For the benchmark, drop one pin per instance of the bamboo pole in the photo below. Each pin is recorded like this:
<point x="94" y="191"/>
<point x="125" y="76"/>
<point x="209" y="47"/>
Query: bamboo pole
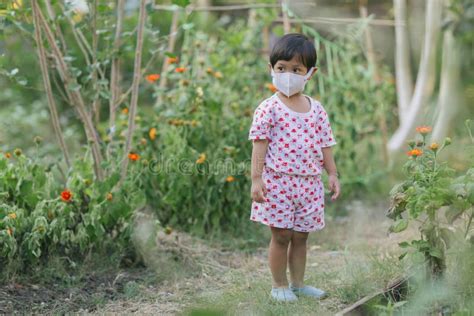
<point x="135" y="85"/>
<point x="47" y="86"/>
<point x="171" y="45"/>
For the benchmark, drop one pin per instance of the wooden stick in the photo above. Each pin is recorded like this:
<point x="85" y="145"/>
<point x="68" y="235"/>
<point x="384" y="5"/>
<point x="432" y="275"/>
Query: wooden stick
<point x="368" y="42"/>
<point x="286" y="20"/>
<point x="171" y="44"/>
<point x="341" y="21"/>
<point x="115" y="88"/>
<point x="136" y="81"/>
<point x="227" y="7"/>
<point x="47" y="86"/>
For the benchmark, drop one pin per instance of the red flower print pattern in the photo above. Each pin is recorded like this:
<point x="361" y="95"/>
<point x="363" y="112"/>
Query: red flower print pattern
<point x="295" y="139"/>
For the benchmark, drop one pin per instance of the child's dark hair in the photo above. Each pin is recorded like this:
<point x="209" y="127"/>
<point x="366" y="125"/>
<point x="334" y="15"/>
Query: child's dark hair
<point x="291" y="45"/>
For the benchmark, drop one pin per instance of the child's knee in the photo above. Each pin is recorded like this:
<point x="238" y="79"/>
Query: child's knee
<point x="282" y="236"/>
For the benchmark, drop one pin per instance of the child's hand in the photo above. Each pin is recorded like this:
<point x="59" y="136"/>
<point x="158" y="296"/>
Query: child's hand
<point x="258" y="191"/>
<point x="334" y="186"/>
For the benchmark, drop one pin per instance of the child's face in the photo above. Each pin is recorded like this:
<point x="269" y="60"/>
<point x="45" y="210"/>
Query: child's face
<point x="294" y="65"/>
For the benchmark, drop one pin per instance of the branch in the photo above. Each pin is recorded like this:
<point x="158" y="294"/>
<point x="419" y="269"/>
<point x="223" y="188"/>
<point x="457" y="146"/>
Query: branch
<point x="73" y="94"/>
<point x="135" y="85"/>
<point x="47" y="85"/>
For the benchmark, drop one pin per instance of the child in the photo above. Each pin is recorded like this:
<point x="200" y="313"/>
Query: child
<point x="292" y="141"/>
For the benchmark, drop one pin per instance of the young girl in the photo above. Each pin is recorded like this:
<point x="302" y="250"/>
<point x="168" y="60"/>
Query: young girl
<point x="292" y="141"/>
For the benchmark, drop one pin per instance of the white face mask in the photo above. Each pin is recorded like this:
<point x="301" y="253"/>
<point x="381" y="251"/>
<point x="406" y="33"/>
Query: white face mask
<point x="290" y="83"/>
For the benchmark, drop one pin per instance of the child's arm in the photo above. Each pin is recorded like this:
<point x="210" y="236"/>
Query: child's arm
<point x="259" y="151"/>
<point x="330" y="166"/>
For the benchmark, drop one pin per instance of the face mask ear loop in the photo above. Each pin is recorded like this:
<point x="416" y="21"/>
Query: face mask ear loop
<point x="306" y="78"/>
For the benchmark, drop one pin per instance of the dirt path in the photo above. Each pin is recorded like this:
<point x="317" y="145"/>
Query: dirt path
<point x="350" y="258"/>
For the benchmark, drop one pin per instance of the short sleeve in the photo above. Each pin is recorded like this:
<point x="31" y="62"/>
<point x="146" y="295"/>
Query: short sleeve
<point x="324" y="130"/>
<point x="261" y="123"/>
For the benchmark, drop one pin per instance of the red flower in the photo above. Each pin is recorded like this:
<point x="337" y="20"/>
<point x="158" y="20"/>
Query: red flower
<point x="66" y="195"/>
<point x="133" y="156"/>
<point x="152" y="78"/>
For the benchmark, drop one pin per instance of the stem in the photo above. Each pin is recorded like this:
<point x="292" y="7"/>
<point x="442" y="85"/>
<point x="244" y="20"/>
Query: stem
<point x="468" y="224"/>
<point x="135" y="85"/>
<point x="47" y="86"/>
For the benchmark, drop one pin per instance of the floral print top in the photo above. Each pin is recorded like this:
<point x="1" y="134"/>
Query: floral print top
<point x="295" y="138"/>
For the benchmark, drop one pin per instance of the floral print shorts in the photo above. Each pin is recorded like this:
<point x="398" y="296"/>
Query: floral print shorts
<point x="293" y="201"/>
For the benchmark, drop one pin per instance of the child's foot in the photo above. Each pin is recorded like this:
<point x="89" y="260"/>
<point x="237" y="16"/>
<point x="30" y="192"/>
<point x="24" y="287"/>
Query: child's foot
<point x="308" y="291"/>
<point x="283" y="294"/>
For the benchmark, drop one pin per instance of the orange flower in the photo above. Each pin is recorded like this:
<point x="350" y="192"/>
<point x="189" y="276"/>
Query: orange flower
<point x="172" y="60"/>
<point x="230" y="179"/>
<point x="125" y="111"/>
<point x="8" y="155"/>
<point x="109" y="196"/>
<point x="9" y="231"/>
<point x="133" y="156"/>
<point x="434" y="146"/>
<point x="423" y="130"/>
<point x="415" y="152"/>
<point x="271" y="87"/>
<point x="180" y="69"/>
<point x="201" y="159"/>
<point x="152" y="78"/>
<point x="209" y="70"/>
<point x="152" y="133"/>
<point x="12" y="215"/>
<point x="66" y="195"/>
<point x="218" y="74"/>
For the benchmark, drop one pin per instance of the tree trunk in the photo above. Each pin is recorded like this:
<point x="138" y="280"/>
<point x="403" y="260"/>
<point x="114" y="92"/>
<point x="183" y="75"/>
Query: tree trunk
<point x="402" y="59"/>
<point x="425" y="80"/>
<point x="450" y="96"/>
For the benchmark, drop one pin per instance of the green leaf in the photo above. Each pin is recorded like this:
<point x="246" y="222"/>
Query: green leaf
<point x="404" y="244"/>
<point x="399" y="226"/>
<point x="435" y="252"/>
<point x="171" y="55"/>
<point x="181" y="3"/>
<point x="74" y="87"/>
<point x="402" y="255"/>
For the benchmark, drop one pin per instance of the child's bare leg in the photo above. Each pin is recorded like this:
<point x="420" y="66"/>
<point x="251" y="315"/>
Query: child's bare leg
<point x="297" y="258"/>
<point x="277" y="255"/>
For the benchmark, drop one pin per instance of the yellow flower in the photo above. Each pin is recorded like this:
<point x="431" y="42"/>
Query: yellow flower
<point x="9" y="231"/>
<point x="109" y="196"/>
<point x="152" y="133"/>
<point x="434" y="147"/>
<point x="12" y="215"/>
<point x="201" y="159"/>
<point x="229" y="179"/>
<point x="218" y="74"/>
